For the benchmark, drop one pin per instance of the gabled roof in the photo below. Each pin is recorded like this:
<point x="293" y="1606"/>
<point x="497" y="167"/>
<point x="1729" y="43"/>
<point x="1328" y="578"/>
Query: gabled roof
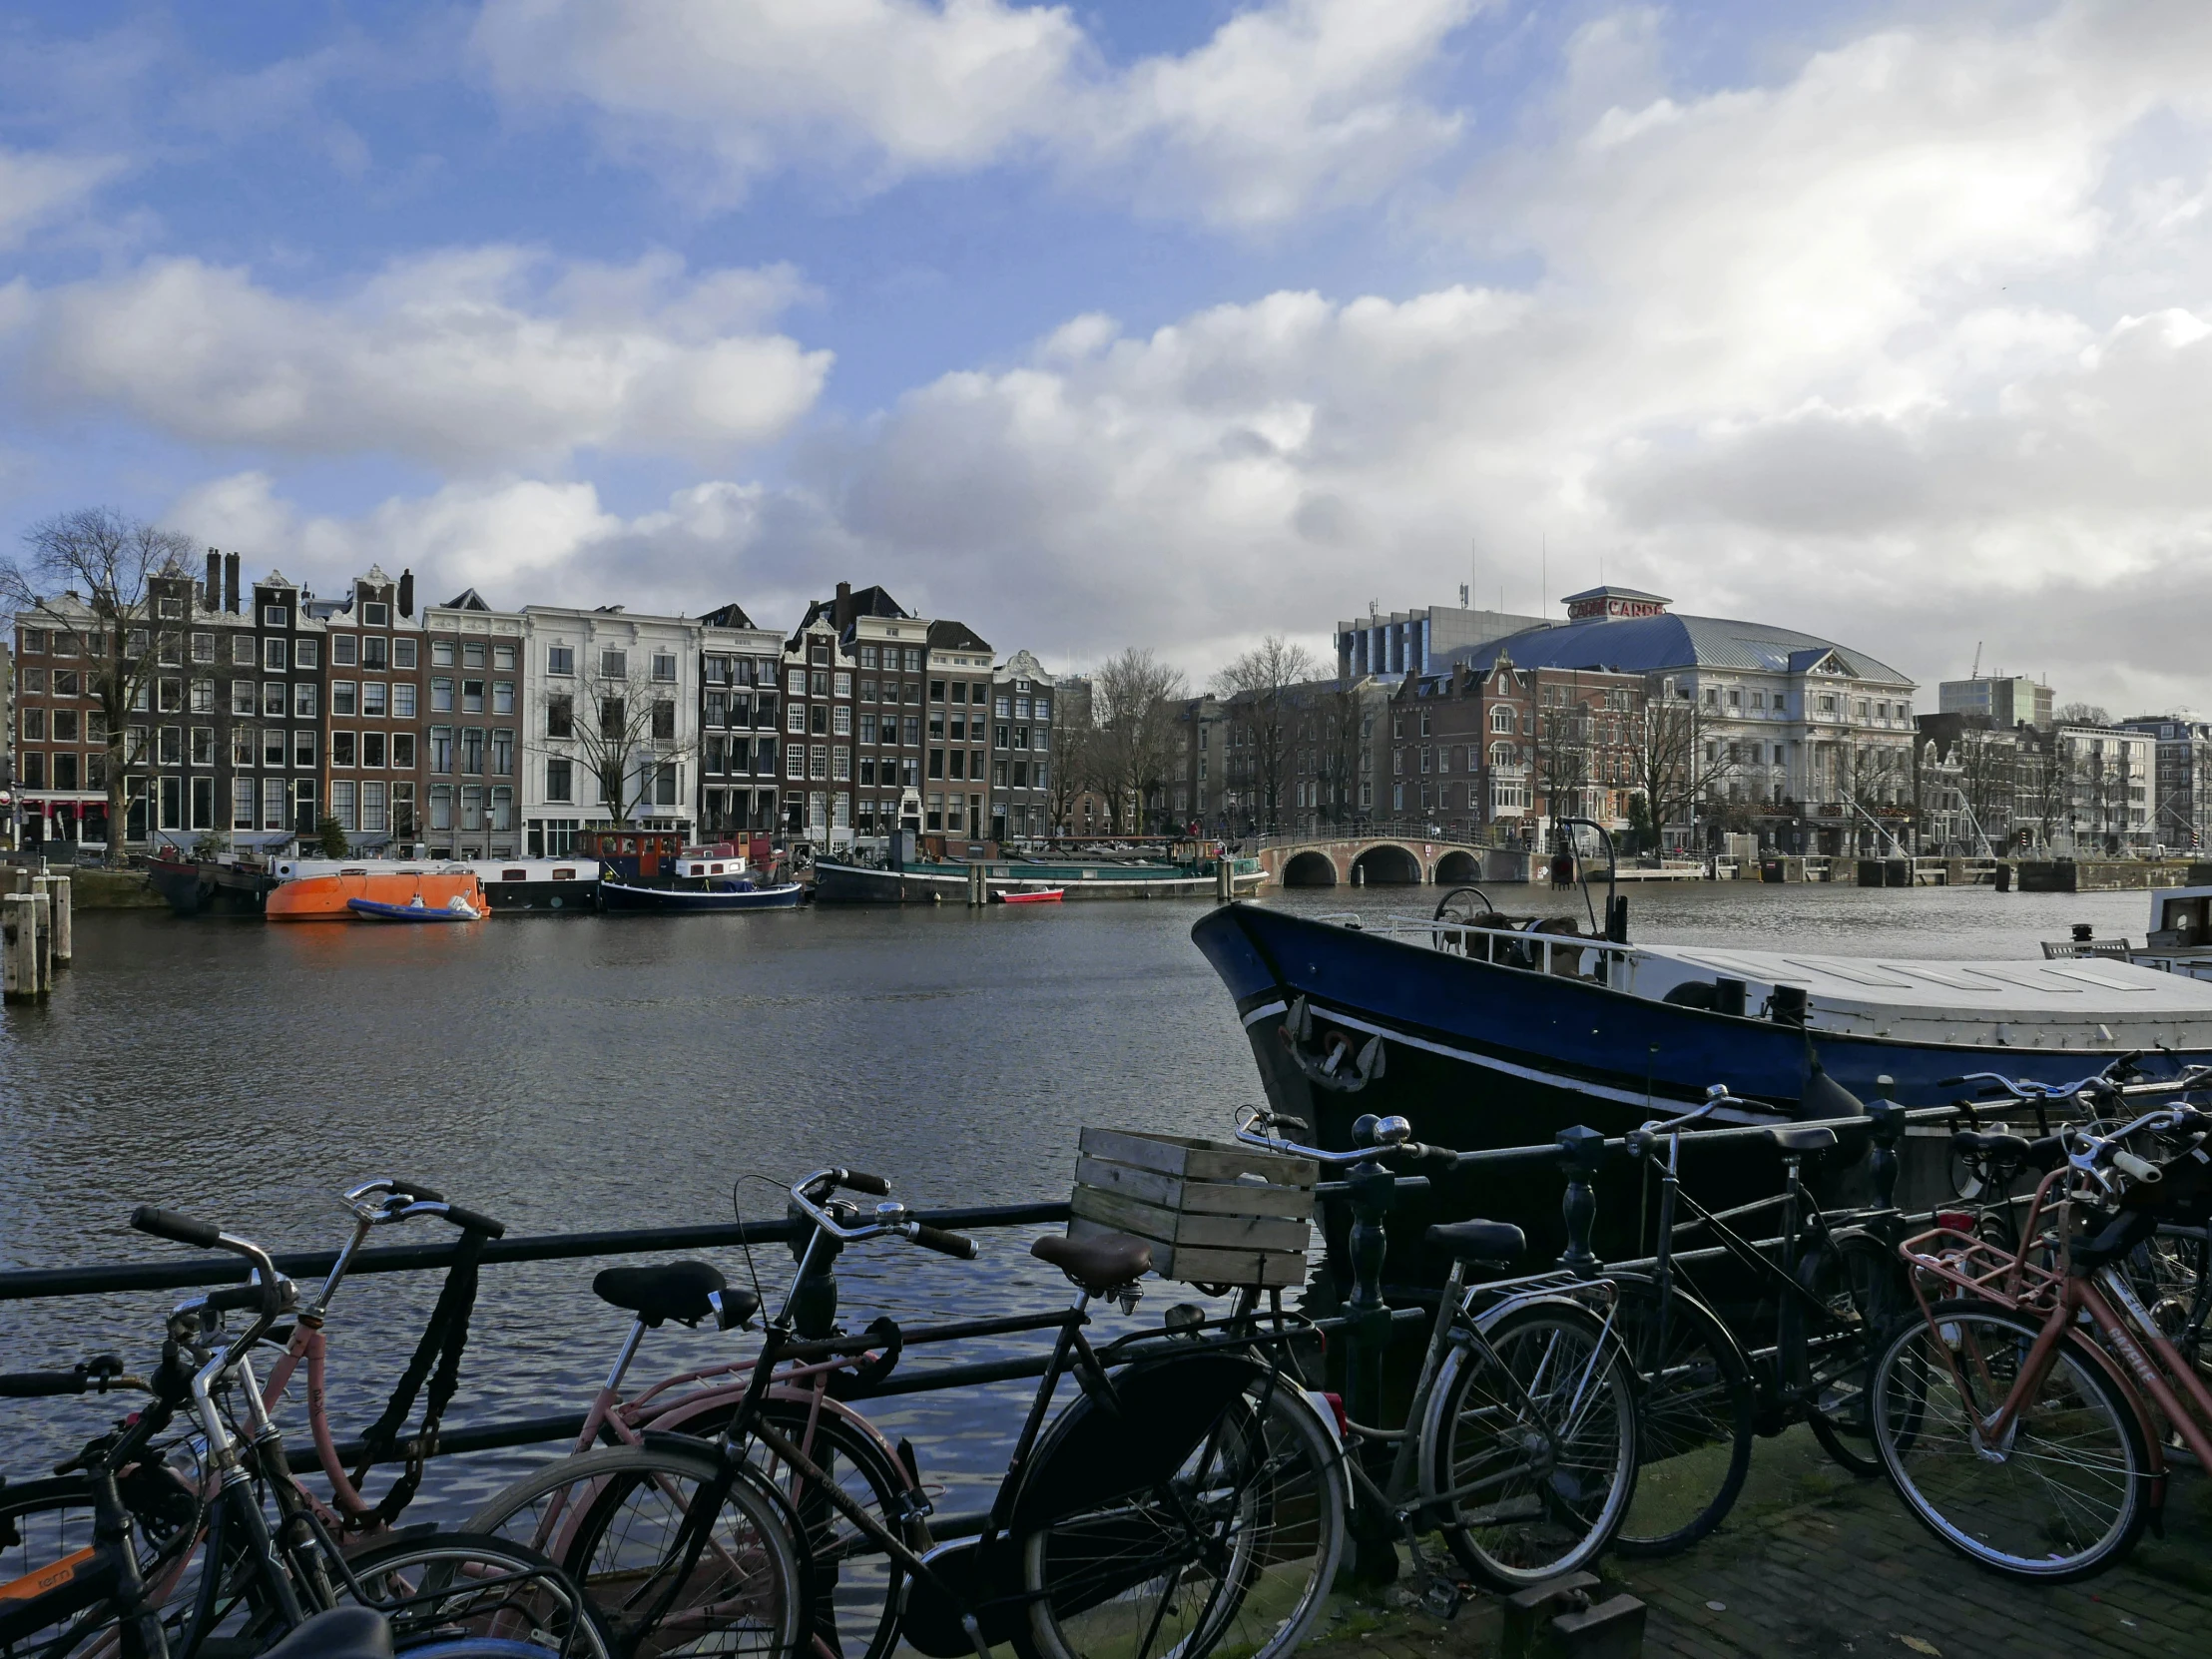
<point x="1650" y="644"/>
<point x="468" y="599"/>
<point x="730" y="615"/>
<point x="954" y="636"/>
<point x="840" y="610"/>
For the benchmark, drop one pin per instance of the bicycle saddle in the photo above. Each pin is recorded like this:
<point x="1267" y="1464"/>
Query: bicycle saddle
<point x="675" y="1290"/>
<point x="1801" y="1138"/>
<point x="1480" y="1241"/>
<point x="340" y="1633"/>
<point x="2010" y="1148"/>
<point x="1098" y="1265"/>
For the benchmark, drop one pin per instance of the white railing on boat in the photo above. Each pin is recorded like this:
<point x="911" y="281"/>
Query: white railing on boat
<point x="1565" y="955"/>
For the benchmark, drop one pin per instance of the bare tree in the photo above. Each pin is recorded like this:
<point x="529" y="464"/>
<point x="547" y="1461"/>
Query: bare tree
<point x="1134" y="698"/>
<point x="2052" y="787"/>
<point x="1340" y="726"/>
<point x="2082" y="713"/>
<point x="1562" y="751"/>
<point x="1074" y="740"/>
<point x="1878" y="775"/>
<point x="1258" y="689"/>
<point x="84" y="578"/>
<point x="1674" y="762"/>
<point x="614" y="731"/>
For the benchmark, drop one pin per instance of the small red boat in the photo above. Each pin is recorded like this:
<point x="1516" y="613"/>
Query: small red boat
<point x="1043" y="895"/>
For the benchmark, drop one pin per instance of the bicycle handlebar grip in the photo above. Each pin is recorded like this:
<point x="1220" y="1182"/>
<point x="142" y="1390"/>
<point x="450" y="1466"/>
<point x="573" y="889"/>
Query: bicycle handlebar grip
<point x="944" y="1243"/>
<point x="2141" y="1169"/>
<point x="463" y="1217"/>
<point x="37" y="1385"/>
<point x="418" y="1192"/>
<point x="167" y="1224"/>
<point x="852" y="1180"/>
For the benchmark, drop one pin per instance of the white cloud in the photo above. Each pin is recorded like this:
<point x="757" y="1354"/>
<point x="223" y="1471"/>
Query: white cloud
<point x="1294" y="103"/>
<point x="1910" y="345"/>
<point x="37" y="188"/>
<point x="467" y="360"/>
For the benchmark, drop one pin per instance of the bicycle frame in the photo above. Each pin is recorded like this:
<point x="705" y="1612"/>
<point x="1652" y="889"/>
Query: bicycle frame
<point x="2147" y="1363"/>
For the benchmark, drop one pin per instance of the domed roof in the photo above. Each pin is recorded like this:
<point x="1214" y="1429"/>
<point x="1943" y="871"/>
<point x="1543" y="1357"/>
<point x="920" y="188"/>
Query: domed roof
<point x="1651" y="644"/>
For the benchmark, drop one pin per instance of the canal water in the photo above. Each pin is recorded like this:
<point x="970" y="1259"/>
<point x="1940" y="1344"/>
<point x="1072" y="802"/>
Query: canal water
<point x="607" y="1072"/>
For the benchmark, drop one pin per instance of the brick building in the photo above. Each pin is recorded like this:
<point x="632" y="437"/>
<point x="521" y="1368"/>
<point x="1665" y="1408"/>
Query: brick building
<point x="375" y="739"/>
<point x="739" y="729"/>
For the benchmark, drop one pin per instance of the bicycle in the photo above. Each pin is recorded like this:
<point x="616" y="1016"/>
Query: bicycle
<point x="1836" y="1292"/>
<point x="100" y="1588"/>
<point x="1520" y="1443"/>
<point x="1185" y="1498"/>
<point x="2021" y="1443"/>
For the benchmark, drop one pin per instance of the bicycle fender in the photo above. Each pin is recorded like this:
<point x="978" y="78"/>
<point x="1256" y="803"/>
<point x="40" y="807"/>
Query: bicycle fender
<point x="1092" y="1455"/>
<point x="1455" y="1358"/>
<point x="987" y="1578"/>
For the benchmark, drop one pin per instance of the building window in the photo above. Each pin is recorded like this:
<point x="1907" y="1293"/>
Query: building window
<point x="341" y="749"/>
<point x="560" y="659"/>
<point x="304" y="700"/>
<point x="403" y="700"/>
<point x="303" y="749"/>
<point x="560" y="716"/>
<point x="614" y="665"/>
<point x="272" y="616"/>
<point x="473" y="750"/>
<point x="403" y="751"/>
<point x="795" y="718"/>
<point x="342" y="698"/>
<point x="441" y="749"/>
<point x="273" y="795"/>
<point x="794" y="760"/>
<point x="441" y="694"/>
<point x="441" y="807"/>
<point x="372" y="699"/>
<point x="663" y="721"/>
<point x="372" y="748"/>
<point x="202" y="752"/>
<point x="272" y="746"/>
<point x="817" y="762"/>
<point x="342" y="804"/>
<point x="343" y="650"/>
<point x="841" y="721"/>
<point x="558" y="780"/>
<point x="663" y="667"/>
<point x="502" y="697"/>
<point x="308" y="654"/>
<point x="472" y="697"/>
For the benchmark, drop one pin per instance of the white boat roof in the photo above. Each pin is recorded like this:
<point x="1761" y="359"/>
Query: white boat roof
<point x="2079" y="988"/>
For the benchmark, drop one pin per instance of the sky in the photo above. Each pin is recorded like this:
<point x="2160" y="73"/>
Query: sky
<point x="1168" y="324"/>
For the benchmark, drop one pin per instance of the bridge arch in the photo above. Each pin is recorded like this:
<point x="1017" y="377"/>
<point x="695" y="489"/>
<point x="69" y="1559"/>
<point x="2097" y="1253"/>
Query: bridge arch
<point x="1386" y="864"/>
<point x="1458" y="867"/>
<point x="1309" y="870"/>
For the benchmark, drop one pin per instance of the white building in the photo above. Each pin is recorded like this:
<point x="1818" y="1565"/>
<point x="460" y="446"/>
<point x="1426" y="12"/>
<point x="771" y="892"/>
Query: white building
<point x="604" y="666"/>
<point x="475" y="729"/>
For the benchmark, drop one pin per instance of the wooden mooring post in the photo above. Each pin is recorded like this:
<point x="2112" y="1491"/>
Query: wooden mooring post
<point x="26" y="972"/>
<point x="59" y="891"/>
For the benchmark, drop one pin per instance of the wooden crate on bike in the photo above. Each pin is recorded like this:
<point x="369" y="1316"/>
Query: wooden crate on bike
<point x="1214" y="1212"/>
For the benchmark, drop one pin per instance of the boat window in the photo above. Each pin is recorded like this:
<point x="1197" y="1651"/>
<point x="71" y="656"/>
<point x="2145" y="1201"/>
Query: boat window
<point x="564" y="875"/>
<point x="514" y="876"/>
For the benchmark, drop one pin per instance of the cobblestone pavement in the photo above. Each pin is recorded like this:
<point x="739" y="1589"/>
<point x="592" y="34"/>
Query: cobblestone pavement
<point x="1817" y="1564"/>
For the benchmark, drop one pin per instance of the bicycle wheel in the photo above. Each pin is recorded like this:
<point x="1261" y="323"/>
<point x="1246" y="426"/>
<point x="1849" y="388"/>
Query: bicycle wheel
<point x="2167" y="1271"/>
<point x="444" y="1588"/>
<point x="1860" y="1286"/>
<point x="1693" y="1414"/>
<point x="2065" y="1496"/>
<point x="1533" y="1445"/>
<point x="856" y="1584"/>
<point x="1231" y="1546"/>
<point x="614" y="1521"/>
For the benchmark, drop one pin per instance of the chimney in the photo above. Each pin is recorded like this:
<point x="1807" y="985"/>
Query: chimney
<point x="407" y="593"/>
<point x="841" y="612"/>
<point x="215" y="581"/>
<point x="231" y="583"/>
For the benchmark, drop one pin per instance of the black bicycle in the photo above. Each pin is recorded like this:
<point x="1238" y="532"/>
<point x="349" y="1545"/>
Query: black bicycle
<point x="1186" y="1500"/>
<point x="1827" y="1292"/>
<point x="154" y="1544"/>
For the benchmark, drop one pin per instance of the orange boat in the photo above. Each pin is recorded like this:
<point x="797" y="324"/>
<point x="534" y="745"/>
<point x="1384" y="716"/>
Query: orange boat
<point x="324" y="897"/>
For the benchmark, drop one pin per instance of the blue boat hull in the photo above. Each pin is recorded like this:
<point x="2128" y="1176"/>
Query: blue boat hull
<point x="1479" y="1055"/>
<point x="622" y="896"/>
<point x="369" y="910"/>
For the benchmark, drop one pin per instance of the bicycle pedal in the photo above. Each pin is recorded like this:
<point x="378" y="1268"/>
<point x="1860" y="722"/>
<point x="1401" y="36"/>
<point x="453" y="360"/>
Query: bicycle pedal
<point x="1442" y="1598"/>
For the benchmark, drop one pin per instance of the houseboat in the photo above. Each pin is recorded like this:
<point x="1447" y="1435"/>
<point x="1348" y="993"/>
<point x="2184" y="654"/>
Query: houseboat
<point x="702" y="880"/>
<point x="225" y="885"/>
<point x="327" y="898"/>
<point x="1184" y="869"/>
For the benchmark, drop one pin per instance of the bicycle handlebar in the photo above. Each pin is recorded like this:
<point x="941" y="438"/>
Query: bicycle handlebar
<point x="2032" y="1092"/>
<point x="100" y="1374"/>
<point x="1256" y="1126"/>
<point x="891" y="1217"/>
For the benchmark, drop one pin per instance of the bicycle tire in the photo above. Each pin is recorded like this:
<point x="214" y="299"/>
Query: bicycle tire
<point x="857" y="1583"/>
<point x="1860" y="1283"/>
<point x="459" y="1594"/>
<point x="1499" y="1422"/>
<point x="1237" y="1546"/>
<point x="611" y="1518"/>
<point x="1695" y="1416"/>
<point x="1935" y="1458"/>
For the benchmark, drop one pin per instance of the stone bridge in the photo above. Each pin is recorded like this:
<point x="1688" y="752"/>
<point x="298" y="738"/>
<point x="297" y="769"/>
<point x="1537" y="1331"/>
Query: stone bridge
<point x="1379" y="858"/>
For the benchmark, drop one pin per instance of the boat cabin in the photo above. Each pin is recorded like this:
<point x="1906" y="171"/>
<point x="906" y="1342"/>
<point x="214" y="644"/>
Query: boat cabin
<point x="633" y="855"/>
<point x="723" y="858"/>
